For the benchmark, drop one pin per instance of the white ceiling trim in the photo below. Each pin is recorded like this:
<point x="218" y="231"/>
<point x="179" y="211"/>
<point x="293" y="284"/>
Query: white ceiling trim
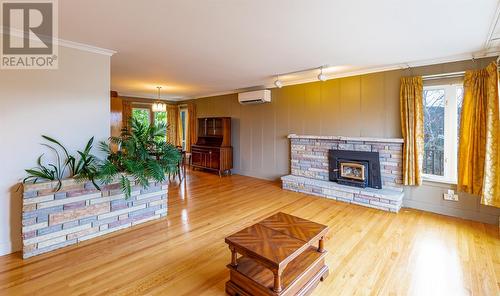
<point x="463" y="57"/>
<point x="65" y="43"/>
<point x="152" y="97"/>
<point x="86" y="47"/>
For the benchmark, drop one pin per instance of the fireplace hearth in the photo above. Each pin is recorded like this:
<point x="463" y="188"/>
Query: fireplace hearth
<point x="355" y="168"/>
<point x="373" y="166"/>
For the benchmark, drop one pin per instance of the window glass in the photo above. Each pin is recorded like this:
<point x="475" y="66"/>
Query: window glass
<point x="183" y="122"/>
<point x="442" y="111"/>
<point x="160" y="117"/>
<point x="142" y="114"/>
<point x="434" y="103"/>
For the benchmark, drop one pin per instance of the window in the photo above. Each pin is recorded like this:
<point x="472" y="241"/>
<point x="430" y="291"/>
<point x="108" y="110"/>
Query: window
<point x="442" y="108"/>
<point x="142" y="114"/>
<point x="160" y="117"/>
<point x="183" y="114"/>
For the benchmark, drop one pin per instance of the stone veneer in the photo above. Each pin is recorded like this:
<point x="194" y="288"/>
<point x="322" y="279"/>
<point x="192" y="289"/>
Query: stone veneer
<point x="309" y="168"/>
<point x="78" y="212"/>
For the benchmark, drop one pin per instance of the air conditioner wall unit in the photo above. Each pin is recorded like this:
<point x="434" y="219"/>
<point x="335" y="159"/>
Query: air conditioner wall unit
<point x="255" y="97"/>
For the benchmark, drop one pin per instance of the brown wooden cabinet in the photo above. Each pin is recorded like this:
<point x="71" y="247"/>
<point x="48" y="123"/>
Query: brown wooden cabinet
<point x="213" y="149"/>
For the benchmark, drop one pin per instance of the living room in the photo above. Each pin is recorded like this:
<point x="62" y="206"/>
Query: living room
<point x="250" y="148"/>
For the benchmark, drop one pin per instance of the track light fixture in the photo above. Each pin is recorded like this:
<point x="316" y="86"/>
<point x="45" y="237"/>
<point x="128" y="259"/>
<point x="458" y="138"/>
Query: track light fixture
<point x="278" y="82"/>
<point x="321" y="76"/>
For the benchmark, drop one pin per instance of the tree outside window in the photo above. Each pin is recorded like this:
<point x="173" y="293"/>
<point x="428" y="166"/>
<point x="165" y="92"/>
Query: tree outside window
<point x="442" y="110"/>
<point x="141" y="114"/>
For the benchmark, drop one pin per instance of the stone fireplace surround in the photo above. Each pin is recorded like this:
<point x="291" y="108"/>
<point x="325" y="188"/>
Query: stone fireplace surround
<point x="309" y="170"/>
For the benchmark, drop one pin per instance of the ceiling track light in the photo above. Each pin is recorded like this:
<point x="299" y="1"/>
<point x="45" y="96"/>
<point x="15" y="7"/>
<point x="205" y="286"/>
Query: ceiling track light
<point x="321" y="76"/>
<point x="278" y="82"/>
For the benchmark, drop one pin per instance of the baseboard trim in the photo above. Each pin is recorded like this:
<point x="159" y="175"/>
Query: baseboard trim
<point x="453" y="212"/>
<point x="6" y="248"/>
<point x="255" y="174"/>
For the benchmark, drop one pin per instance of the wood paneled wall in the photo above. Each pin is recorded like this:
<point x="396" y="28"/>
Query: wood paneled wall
<point x="116" y="117"/>
<point x="355" y="106"/>
<point x="366" y="105"/>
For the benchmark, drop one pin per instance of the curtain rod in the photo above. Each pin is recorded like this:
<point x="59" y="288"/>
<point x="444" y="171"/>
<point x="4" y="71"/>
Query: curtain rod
<point x="444" y="75"/>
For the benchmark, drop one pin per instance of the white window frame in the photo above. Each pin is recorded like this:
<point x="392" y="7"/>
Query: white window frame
<point x="450" y="135"/>
<point x="186" y="128"/>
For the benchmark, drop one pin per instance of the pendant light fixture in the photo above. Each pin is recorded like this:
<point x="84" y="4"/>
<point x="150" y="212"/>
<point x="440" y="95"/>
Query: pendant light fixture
<point x="159" y="106"/>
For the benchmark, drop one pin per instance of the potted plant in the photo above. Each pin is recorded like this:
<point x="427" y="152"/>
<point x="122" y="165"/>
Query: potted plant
<point x="143" y="156"/>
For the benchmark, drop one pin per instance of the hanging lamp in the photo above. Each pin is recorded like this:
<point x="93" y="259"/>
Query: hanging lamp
<point x="159" y="106"/>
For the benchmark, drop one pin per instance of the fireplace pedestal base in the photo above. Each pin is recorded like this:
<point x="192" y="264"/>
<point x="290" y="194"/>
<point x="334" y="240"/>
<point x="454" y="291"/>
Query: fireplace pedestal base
<point x="383" y="199"/>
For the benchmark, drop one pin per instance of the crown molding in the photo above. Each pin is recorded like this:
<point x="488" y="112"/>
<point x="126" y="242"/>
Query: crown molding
<point x="153" y="98"/>
<point x="86" y="47"/>
<point x="65" y="43"/>
<point x="214" y="94"/>
<point x="369" y="70"/>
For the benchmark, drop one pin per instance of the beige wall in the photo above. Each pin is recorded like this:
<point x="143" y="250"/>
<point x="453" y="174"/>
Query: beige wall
<point x="70" y="104"/>
<point x="366" y="105"/>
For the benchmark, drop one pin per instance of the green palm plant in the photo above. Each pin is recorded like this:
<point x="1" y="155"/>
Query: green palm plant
<point x="75" y="167"/>
<point x="85" y="168"/>
<point x="142" y="155"/>
<point x="48" y="172"/>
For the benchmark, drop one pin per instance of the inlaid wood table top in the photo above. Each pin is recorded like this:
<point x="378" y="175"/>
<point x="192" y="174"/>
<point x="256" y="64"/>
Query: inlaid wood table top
<point x="296" y="227"/>
<point x="276" y="240"/>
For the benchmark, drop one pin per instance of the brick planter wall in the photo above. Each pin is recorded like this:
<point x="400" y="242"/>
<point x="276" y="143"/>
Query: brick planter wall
<point x="78" y="212"/>
<point x="309" y="170"/>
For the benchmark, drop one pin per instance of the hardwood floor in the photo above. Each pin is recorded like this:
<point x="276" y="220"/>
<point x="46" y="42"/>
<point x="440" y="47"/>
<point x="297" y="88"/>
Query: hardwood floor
<point x="370" y="252"/>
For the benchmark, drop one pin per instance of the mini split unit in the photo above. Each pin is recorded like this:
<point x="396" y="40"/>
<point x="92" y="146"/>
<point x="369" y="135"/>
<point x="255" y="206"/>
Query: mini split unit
<point x="255" y="97"/>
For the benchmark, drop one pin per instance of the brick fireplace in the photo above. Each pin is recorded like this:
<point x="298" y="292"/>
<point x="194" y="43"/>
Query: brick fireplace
<point x="312" y="169"/>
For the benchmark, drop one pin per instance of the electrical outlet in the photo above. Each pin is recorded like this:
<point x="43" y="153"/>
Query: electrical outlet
<point x="450" y="195"/>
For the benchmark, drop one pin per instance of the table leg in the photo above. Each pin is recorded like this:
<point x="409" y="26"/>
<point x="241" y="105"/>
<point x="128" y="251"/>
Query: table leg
<point x="277" y="281"/>
<point x="321" y="244"/>
<point x="234" y="257"/>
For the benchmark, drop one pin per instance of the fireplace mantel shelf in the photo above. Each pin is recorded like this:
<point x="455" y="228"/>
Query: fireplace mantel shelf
<point x="342" y="138"/>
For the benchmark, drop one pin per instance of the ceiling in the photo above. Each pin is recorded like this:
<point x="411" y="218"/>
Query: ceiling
<point x="197" y="48"/>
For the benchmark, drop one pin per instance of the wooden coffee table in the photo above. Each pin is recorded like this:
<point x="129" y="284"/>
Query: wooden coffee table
<point x="279" y="257"/>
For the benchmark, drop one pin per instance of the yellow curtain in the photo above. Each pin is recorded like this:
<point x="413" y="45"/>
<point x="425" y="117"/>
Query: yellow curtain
<point x="479" y="148"/>
<point x="172" y="113"/>
<point x="192" y="134"/>
<point x="412" y="126"/>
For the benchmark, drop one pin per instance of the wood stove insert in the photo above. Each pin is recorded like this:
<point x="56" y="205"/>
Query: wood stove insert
<point x="355" y="168"/>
